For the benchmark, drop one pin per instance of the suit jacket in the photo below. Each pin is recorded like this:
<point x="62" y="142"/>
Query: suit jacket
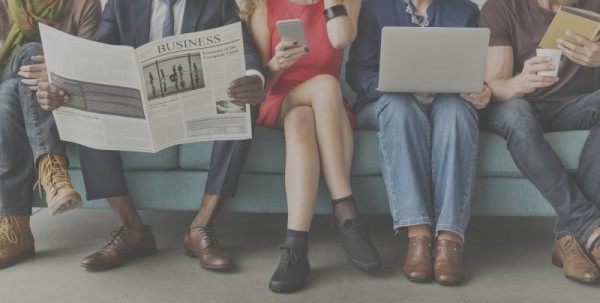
<point x="127" y="22"/>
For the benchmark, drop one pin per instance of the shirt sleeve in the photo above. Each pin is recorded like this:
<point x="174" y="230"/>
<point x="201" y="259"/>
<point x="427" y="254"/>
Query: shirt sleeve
<point x="91" y="15"/>
<point x="362" y="71"/>
<point x="494" y="17"/>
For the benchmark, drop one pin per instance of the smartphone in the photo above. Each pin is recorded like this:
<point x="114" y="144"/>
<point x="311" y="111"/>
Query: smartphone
<point x="292" y="30"/>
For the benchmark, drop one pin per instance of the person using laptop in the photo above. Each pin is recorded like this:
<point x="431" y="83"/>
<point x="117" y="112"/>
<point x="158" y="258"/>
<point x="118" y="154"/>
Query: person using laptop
<point x="305" y="101"/>
<point x="526" y="105"/>
<point x="428" y="142"/>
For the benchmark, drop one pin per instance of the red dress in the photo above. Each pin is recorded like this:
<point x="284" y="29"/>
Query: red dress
<point x="322" y="58"/>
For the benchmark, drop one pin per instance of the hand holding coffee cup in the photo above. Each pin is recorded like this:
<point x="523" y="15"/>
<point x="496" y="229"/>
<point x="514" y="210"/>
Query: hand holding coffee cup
<point x="554" y="55"/>
<point x="532" y="79"/>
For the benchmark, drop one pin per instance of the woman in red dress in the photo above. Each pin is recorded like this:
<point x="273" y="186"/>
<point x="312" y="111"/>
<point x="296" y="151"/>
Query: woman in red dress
<point x="305" y="101"/>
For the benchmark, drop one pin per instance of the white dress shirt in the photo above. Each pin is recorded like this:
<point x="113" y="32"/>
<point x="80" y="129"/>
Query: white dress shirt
<point x="159" y="13"/>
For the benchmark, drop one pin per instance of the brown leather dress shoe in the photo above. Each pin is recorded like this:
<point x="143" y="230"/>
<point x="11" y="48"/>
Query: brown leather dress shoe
<point x="418" y="264"/>
<point x="127" y="243"/>
<point x="201" y="242"/>
<point x="567" y="253"/>
<point x="448" y="267"/>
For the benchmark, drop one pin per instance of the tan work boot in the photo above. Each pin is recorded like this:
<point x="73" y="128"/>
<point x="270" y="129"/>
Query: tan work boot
<point x="16" y="240"/>
<point x="54" y="178"/>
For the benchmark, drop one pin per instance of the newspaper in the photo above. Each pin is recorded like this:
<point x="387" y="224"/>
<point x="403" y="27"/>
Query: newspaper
<point x="170" y="91"/>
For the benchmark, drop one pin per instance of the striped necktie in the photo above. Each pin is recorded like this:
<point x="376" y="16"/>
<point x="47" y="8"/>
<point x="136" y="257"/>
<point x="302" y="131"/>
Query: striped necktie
<point x="169" y="24"/>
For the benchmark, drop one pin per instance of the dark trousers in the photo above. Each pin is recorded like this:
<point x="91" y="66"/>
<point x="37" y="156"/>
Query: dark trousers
<point x="104" y="178"/>
<point x="576" y="199"/>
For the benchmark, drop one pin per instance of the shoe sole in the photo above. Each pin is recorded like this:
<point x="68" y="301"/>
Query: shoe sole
<point x="417" y="280"/>
<point x="558" y="263"/>
<point x="452" y="283"/>
<point x="286" y="288"/>
<point x="102" y="267"/>
<point x="190" y="253"/>
<point x="364" y="267"/>
<point x="28" y="254"/>
<point x="70" y="204"/>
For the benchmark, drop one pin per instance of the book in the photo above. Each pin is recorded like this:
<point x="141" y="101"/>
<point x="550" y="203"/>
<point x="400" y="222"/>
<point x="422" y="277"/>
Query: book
<point x="580" y="21"/>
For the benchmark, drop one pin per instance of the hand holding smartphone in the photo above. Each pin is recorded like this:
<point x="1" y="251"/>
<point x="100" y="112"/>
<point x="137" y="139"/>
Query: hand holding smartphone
<point x="292" y="30"/>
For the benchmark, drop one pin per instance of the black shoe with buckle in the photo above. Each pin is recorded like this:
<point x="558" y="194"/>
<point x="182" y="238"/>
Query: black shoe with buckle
<point x="356" y="244"/>
<point x="292" y="273"/>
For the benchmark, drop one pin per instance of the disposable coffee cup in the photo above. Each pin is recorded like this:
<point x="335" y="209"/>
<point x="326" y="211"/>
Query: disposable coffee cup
<point x="553" y="54"/>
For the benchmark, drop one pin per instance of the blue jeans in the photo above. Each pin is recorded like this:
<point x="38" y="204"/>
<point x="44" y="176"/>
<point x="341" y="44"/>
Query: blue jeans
<point x="576" y="199"/>
<point x="428" y="156"/>
<point x="26" y="133"/>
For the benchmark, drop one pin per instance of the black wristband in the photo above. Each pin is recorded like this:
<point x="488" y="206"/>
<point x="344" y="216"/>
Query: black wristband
<point x="335" y="11"/>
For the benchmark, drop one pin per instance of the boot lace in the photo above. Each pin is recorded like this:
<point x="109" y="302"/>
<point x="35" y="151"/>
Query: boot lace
<point x="288" y="258"/>
<point x="573" y="247"/>
<point x="356" y="228"/>
<point x="7" y="232"/>
<point x="209" y="234"/>
<point x="53" y="175"/>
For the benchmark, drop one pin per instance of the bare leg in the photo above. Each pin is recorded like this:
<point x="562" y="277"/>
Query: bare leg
<point x="126" y="212"/>
<point x="211" y="204"/>
<point x="420" y="230"/>
<point x="302" y="170"/>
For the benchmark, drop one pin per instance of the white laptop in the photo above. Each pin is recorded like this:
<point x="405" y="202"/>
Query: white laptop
<point x="433" y="60"/>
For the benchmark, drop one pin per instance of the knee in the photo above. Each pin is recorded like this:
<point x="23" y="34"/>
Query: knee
<point x="327" y="90"/>
<point x="452" y="109"/>
<point x="515" y="116"/>
<point x="299" y="125"/>
<point x="401" y="109"/>
<point x="27" y="51"/>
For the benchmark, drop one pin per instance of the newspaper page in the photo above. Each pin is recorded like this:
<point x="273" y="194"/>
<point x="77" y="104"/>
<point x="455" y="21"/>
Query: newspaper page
<point x="186" y="78"/>
<point x="177" y="92"/>
<point x="106" y="108"/>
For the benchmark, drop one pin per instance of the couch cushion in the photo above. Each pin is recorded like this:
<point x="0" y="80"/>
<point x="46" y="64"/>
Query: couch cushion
<point x="495" y="160"/>
<point x="165" y="159"/>
<point x="267" y="154"/>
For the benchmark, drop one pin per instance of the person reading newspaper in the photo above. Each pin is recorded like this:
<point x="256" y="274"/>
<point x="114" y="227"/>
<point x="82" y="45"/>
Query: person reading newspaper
<point x="28" y="136"/>
<point x="135" y="23"/>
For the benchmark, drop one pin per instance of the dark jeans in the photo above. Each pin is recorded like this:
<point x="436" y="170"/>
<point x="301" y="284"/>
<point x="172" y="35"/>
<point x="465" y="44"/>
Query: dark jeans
<point x="104" y="178"/>
<point x="26" y="133"/>
<point x="576" y="199"/>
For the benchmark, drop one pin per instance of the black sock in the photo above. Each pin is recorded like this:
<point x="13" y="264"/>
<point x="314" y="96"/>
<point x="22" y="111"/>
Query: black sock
<point x="344" y="209"/>
<point x="297" y="240"/>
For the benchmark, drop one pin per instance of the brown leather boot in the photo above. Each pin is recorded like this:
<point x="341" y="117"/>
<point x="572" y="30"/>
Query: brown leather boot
<point x="16" y="240"/>
<point x="201" y="242"/>
<point x="418" y="264"/>
<point x="127" y="243"/>
<point x="448" y="267"/>
<point x="54" y="178"/>
<point x="567" y="253"/>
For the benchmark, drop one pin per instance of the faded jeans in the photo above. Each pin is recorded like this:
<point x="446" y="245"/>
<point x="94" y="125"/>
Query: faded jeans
<point x="26" y="133"/>
<point x="428" y="157"/>
<point x="576" y="199"/>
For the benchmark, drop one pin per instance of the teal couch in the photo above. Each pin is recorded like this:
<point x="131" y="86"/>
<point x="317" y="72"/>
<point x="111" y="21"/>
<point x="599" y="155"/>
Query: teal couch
<point x="174" y="178"/>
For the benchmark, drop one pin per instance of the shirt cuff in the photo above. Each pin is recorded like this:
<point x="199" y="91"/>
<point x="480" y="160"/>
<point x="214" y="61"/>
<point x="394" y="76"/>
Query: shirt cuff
<point x="253" y="72"/>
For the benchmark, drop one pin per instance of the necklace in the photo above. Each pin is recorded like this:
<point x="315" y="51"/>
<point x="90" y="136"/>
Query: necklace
<point x="414" y="19"/>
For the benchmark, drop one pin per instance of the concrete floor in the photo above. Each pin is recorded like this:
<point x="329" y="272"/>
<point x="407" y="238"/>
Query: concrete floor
<point x="508" y="260"/>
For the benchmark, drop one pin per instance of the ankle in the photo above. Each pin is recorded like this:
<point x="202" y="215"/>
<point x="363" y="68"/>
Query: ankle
<point x="593" y="241"/>
<point x="450" y="236"/>
<point x="344" y="208"/>
<point x="296" y="240"/>
<point x="422" y="230"/>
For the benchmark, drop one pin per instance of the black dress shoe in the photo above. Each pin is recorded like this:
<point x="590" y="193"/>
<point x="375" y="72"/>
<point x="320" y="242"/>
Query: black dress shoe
<point x="292" y="273"/>
<point x="357" y="245"/>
